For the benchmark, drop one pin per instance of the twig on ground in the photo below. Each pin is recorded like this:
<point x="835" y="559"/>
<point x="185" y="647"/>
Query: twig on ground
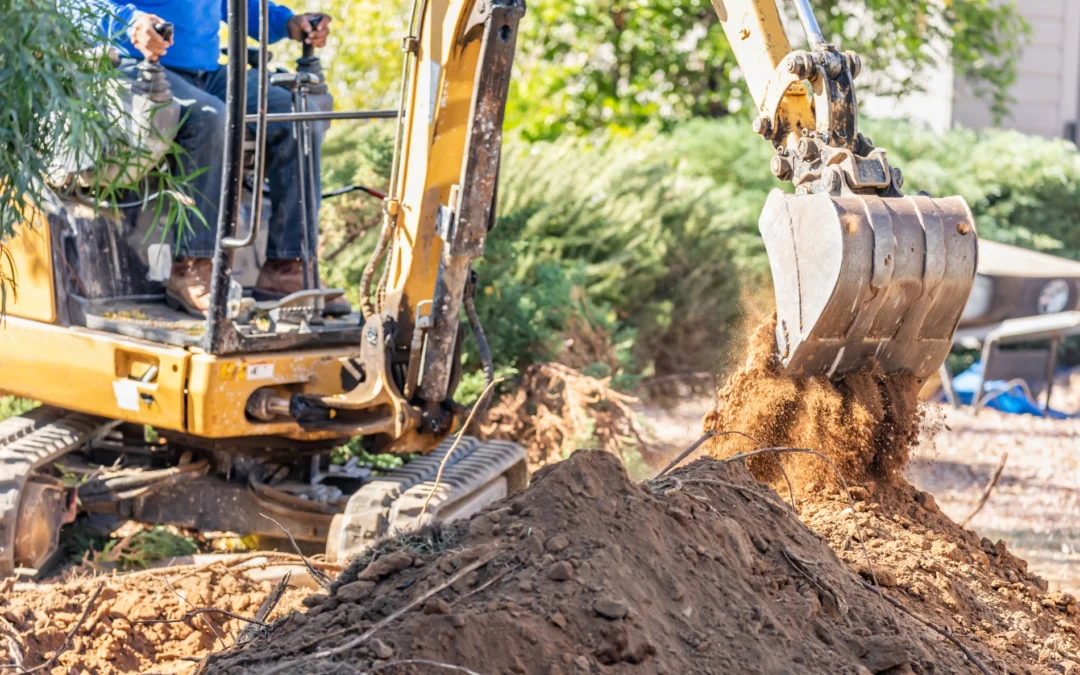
<point x="986" y="492"/>
<point x="233" y="562"/>
<point x="192" y="605"/>
<point x="67" y="639"/>
<point x="712" y="434"/>
<point x="198" y="611"/>
<point x="425" y="662"/>
<point x="271" y="601"/>
<point x="487" y="583"/>
<point x="944" y="632"/>
<point x="803" y="567"/>
<point x="361" y="639"/>
<point x="481" y="403"/>
<point x="318" y="575"/>
<point x="742" y="489"/>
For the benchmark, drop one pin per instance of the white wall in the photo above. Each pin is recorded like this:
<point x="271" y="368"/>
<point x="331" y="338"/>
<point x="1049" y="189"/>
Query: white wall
<point x="1047" y="90"/>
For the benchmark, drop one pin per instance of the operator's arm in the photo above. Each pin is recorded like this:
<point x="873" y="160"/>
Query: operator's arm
<point x="130" y="29"/>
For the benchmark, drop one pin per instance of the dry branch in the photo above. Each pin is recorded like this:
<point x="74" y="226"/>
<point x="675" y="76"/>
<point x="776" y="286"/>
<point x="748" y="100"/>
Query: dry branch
<point x="425" y="662"/>
<point x="200" y="611"/>
<point x="986" y="493"/>
<point x="271" y="601"/>
<point x="317" y="575"/>
<point x="944" y="632"/>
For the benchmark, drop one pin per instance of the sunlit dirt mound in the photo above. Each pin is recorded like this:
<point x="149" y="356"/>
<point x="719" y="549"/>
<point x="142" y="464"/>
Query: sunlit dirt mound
<point x="952" y="576"/>
<point x="35" y="620"/>
<point x="866" y="423"/>
<point x="703" y="571"/>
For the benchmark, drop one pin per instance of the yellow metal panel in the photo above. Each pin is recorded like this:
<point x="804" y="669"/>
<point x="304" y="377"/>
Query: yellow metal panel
<point x="90" y="371"/>
<point x="219" y="388"/>
<point x="757" y="37"/>
<point x="31" y="250"/>
<point x="439" y="106"/>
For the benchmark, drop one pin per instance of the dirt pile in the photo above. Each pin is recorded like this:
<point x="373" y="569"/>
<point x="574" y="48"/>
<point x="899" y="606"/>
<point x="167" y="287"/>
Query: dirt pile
<point x="35" y="620"/>
<point x="703" y="571"/>
<point x="866" y="423"/>
<point x="553" y="409"/>
<point x="950" y="575"/>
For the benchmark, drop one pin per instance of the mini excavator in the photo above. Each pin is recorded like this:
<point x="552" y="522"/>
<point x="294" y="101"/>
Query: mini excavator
<point x="247" y="404"/>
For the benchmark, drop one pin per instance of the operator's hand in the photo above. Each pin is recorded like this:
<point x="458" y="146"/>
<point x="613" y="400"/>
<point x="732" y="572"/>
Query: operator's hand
<point x="146" y="39"/>
<point x="300" y="25"/>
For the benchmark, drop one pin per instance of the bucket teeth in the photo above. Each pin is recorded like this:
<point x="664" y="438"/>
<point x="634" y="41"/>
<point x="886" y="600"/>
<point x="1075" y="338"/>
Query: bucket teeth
<point x="863" y="280"/>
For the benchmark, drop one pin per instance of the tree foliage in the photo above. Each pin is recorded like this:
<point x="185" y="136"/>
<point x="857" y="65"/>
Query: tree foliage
<point x="363" y="56"/>
<point x="60" y="99"/>
<point x="589" y="64"/>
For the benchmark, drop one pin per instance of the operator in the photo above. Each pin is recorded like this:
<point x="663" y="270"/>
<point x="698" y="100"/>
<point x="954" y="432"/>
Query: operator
<point x="198" y="84"/>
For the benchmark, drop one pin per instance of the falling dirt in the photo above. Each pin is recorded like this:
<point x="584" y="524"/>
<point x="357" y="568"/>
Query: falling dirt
<point x="865" y="423"/>
<point x="702" y="571"/>
<point x="111" y="640"/>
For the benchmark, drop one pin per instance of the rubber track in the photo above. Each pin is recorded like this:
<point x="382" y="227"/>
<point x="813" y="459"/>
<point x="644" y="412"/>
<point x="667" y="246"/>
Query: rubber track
<point x="386" y="503"/>
<point x="483" y="464"/>
<point x="28" y="442"/>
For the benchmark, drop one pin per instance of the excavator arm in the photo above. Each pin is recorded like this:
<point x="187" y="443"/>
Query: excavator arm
<point x="440" y="206"/>
<point x="865" y="277"/>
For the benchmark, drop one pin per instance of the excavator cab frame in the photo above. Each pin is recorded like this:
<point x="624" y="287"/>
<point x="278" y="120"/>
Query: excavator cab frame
<point x="248" y="405"/>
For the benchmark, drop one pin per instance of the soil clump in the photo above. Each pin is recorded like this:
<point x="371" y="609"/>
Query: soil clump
<point x="35" y="620"/>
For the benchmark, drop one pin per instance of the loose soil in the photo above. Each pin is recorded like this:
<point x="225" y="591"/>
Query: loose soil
<point x="110" y="642"/>
<point x="866" y="423"/>
<point x="704" y="571"/>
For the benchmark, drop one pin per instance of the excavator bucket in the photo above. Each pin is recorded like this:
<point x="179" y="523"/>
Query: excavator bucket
<point x="863" y="280"/>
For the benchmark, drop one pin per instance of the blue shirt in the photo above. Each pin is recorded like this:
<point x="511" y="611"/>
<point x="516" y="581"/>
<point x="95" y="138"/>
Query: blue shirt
<point x="196" y="27"/>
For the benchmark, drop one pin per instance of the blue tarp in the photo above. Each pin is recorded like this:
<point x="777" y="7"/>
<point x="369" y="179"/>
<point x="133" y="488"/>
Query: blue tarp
<point x="1013" y="401"/>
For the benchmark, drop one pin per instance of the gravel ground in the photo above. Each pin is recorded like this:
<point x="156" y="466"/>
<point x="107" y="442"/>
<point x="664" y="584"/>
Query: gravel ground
<point x="1035" y="506"/>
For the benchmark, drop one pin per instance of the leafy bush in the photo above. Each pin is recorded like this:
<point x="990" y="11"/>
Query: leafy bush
<point x="10" y="406"/>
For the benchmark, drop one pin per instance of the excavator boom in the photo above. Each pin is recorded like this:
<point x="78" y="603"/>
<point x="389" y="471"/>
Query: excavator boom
<point x="864" y="276"/>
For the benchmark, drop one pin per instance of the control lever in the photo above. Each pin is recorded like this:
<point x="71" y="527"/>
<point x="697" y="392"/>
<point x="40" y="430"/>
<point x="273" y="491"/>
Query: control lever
<point x="165" y="30"/>
<point x="309" y="50"/>
<point x="151" y="81"/>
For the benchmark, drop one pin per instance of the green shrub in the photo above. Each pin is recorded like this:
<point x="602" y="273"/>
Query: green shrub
<point x="1023" y="190"/>
<point x="11" y="406"/>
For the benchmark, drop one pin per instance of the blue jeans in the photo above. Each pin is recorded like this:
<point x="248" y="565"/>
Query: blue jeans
<point x="201" y="95"/>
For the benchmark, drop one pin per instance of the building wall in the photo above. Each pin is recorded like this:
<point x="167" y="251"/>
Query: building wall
<point x="1047" y="90"/>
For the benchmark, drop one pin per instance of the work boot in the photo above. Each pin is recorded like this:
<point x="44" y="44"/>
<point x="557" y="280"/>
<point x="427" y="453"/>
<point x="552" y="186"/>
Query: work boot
<point x="188" y="287"/>
<point x="279" y="278"/>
